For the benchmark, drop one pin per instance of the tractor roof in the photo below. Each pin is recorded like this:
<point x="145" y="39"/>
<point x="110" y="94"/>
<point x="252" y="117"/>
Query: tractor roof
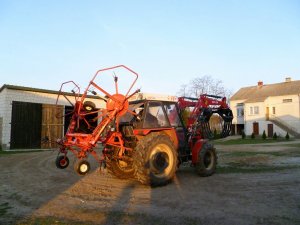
<point x="148" y="100"/>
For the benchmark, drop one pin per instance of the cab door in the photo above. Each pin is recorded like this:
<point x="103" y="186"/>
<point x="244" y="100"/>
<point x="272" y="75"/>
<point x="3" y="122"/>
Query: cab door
<point x="175" y="122"/>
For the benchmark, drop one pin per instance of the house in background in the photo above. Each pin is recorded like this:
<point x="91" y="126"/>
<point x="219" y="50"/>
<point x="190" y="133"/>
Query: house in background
<point x="27" y="115"/>
<point x="270" y="108"/>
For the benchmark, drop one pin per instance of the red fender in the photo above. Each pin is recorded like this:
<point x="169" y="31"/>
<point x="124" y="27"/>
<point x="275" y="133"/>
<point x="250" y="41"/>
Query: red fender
<point x="196" y="148"/>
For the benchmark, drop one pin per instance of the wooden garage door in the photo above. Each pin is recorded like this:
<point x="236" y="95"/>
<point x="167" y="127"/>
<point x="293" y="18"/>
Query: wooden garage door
<point x="25" y="125"/>
<point x="52" y="126"/>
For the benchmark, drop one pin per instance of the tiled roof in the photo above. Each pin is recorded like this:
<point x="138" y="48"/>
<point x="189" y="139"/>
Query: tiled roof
<point x="260" y="93"/>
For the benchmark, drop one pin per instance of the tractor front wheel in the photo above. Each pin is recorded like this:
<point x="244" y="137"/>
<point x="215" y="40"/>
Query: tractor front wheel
<point x="62" y="162"/>
<point x="82" y="167"/>
<point x="207" y="160"/>
<point x="155" y="160"/>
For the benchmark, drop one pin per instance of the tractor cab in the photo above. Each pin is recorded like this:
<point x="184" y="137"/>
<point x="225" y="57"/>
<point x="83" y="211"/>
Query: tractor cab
<point x="154" y="116"/>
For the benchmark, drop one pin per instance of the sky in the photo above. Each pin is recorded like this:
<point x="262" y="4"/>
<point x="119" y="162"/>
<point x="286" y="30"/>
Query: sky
<point x="168" y="43"/>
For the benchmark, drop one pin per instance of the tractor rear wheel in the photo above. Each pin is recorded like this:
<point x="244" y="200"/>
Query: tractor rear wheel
<point x="207" y="160"/>
<point x="155" y="160"/>
<point x="82" y="167"/>
<point x="121" y="168"/>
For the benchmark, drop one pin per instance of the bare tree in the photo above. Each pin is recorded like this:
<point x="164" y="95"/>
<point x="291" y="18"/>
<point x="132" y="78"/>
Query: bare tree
<point x="204" y="85"/>
<point x="183" y="91"/>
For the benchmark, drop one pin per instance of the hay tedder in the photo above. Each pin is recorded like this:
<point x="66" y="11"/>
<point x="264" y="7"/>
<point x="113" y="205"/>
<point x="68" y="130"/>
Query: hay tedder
<point x="143" y="139"/>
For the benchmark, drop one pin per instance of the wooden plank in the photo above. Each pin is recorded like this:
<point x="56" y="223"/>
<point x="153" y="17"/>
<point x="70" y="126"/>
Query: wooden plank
<point x="52" y="126"/>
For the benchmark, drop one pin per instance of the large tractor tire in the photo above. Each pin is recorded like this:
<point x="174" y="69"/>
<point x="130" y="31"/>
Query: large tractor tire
<point x="122" y="169"/>
<point x="207" y="160"/>
<point x="155" y="160"/>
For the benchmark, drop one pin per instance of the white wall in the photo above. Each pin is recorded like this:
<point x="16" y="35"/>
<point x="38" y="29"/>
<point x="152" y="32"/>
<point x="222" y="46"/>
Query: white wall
<point x="263" y="126"/>
<point x="2" y="113"/>
<point x="5" y="113"/>
<point x="288" y="113"/>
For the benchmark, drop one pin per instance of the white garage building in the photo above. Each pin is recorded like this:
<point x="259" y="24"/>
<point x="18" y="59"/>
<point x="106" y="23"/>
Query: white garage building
<point x="27" y="115"/>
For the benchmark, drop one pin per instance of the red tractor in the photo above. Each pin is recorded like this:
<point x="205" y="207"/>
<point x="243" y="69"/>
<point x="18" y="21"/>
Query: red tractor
<point x="145" y="139"/>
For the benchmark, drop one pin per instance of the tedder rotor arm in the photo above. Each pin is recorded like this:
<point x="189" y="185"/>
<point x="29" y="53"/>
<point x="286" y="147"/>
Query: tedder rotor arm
<point x="112" y="97"/>
<point x="80" y="143"/>
<point x="75" y="92"/>
<point x="65" y="94"/>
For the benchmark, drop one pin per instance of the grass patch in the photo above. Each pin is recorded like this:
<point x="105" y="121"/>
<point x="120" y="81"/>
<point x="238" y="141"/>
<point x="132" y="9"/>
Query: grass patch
<point x="284" y="153"/>
<point x="240" y="168"/>
<point x="49" y="221"/>
<point x="278" y="220"/>
<point x="290" y="153"/>
<point x="15" y="196"/>
<point x="250" y="141"/>
<point x="4" y="207"/>
<point x="239" y="154"/>
<point x="294" y="145"/>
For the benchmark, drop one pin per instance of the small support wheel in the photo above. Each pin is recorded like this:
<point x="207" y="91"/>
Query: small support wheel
<point x="62" y="162"/>
<point x="82" y="167"/>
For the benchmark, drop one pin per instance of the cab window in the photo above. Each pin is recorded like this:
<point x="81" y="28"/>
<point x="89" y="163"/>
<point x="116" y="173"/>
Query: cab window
<point x="172" y="114"/>
<point x="155" y="116"/>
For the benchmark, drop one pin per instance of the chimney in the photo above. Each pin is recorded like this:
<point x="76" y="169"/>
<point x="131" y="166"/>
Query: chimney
<point x="260" y="83"/>
<point x="288" y="79"/>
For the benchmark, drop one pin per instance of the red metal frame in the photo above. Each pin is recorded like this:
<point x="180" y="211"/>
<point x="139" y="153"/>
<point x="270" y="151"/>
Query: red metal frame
<point x="82" y="144"/>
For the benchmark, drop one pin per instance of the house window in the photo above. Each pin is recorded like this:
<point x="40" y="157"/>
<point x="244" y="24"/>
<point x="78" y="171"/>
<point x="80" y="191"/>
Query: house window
<point x="287" y="100"/>
<point x="254" y="110"/>
<point x="240" y="112"/>
<point x="274" y="110"/>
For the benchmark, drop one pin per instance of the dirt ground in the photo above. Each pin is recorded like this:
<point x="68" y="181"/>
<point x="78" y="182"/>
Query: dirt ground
<point x="254" y="184"/>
